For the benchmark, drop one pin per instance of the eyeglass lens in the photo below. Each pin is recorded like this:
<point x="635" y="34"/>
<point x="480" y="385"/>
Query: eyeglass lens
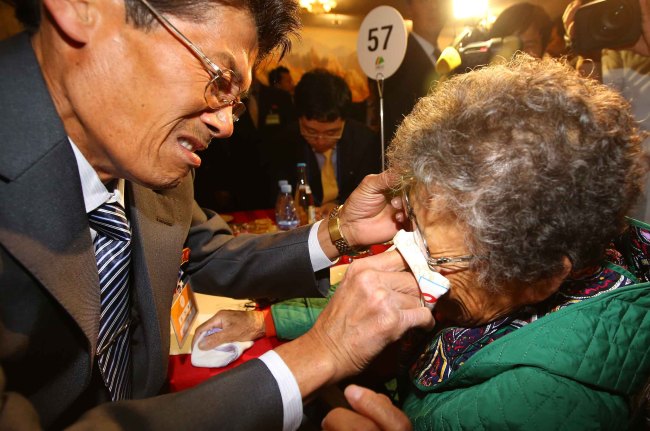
<point x="219" y="93"/>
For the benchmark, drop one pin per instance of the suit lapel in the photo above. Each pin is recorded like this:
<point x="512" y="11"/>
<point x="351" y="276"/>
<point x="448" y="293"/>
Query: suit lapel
<point x="50" y="235"/>
<point x="43" y="221"/>
<point x="160" y="221"/>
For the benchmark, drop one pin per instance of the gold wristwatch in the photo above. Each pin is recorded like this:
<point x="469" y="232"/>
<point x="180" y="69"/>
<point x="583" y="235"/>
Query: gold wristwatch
<point x="336" y="236"/>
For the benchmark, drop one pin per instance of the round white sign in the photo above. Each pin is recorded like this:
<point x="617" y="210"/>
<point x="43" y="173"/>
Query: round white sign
<point x="381" y="43"/>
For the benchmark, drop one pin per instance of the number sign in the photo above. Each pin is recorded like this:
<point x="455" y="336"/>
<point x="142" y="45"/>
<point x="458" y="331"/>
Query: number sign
<point x="381" y="43"/>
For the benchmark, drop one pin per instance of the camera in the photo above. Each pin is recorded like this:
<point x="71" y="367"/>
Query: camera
<point x="472" y="50"/>
<point x="606" y="24"/>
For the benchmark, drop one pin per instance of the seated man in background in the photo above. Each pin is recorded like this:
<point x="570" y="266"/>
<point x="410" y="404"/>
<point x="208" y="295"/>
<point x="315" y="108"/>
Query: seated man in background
<point x="275" y="105"/>
<point x="338" y="150"/>
<point x="280" y="78"/>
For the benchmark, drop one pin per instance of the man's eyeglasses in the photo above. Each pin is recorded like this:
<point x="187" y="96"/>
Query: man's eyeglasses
<point x="330" y="136"/>
<point x="434" y="263"/>
<point x="221" y="91"/>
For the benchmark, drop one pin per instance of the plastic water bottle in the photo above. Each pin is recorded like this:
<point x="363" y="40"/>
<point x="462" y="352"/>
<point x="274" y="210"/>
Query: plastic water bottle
<point x="286" y="216"/>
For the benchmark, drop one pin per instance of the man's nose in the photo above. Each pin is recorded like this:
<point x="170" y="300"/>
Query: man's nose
<point x="220" y="122"/>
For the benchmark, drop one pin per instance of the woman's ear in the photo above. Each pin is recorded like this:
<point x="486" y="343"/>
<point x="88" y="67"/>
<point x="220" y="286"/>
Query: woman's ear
<point x="545" y="288"/>
<point x="75" y="18"/>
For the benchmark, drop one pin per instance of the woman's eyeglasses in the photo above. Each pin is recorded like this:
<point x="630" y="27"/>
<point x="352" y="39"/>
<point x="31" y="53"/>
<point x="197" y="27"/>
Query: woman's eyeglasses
<point x="434" y="263"/>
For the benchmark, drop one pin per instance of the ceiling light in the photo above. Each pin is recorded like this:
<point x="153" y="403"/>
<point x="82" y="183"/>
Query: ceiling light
<point x="318" y="6"/>
<point x="467" y="9"/>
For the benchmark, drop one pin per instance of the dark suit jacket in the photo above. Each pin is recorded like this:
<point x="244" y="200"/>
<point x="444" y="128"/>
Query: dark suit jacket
<point x="412" y="80"/>
<point x="49" y="288"/>
<point x="358" y="153"/>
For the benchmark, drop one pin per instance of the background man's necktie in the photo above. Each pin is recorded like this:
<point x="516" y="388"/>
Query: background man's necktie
<point x="113" y="254"/>
<point x="328" y="179"/>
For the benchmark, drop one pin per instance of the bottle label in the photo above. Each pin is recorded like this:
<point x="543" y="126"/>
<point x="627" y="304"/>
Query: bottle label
<point x="311" y="214"/>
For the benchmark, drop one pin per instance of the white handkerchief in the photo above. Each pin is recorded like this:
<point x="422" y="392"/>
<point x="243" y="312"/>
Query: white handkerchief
<point x="432" y="284"/>
<point x="220" y="356"/>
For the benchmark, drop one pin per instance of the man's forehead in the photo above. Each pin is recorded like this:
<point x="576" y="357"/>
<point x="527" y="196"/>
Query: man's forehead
<point x="315" y="124"/>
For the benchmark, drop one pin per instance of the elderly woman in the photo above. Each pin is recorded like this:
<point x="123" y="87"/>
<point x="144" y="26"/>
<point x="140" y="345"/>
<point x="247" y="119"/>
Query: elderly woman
<point x="516" y="180"/>
<point x="526" y="171"/>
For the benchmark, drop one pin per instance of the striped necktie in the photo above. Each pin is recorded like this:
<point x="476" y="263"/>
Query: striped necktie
<point x="113" y="253"/>
<point x="328" y="179"/>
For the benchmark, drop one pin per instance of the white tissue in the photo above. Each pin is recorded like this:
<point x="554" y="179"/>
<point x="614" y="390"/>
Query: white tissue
<point x="432" y="284"/>
<point x="220" y="356"/>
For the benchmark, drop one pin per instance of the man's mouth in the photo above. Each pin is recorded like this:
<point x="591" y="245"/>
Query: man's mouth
<point x="192" y="145"/>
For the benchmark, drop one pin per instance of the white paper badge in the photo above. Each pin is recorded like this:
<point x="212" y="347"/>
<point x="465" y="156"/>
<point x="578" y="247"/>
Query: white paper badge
<point x="381" y="44"/>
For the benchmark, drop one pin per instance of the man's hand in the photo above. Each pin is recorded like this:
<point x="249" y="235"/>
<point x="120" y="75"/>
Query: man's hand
<point x="235" y="326"/>
<point x="371" y="215"/>
<point x="372" y="412"/>
<point x="374" y="305"/>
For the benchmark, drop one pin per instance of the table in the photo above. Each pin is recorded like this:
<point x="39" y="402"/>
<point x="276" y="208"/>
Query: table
<point x="181" y="374"/>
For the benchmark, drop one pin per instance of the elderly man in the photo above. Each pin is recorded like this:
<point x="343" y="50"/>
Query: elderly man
<point x="97" y="209"/>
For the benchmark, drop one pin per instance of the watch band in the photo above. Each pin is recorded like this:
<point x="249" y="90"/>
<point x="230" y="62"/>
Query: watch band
<point x="336" y="236"/>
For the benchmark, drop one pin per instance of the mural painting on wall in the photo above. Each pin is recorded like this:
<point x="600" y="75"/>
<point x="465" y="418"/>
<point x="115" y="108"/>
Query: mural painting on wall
<point x="331" y="49"/>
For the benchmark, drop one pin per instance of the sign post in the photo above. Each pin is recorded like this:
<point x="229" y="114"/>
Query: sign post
<point x="381" y="46"/>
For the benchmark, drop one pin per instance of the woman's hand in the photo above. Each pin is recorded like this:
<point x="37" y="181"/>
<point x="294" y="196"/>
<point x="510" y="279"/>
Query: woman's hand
<point x="234" y="326"/>
<point x="372" y="411"/>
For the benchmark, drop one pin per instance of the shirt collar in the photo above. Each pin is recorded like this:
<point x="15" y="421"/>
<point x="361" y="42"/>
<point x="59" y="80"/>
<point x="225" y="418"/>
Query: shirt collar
<point x="94" y="191"/>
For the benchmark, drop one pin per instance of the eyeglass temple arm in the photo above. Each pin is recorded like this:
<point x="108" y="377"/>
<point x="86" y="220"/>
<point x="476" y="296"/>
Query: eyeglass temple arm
<point x="443" y="260"/>
<point x="195" y="49"/>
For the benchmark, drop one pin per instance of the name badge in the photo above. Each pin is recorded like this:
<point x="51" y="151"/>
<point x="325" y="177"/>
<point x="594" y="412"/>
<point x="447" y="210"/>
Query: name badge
<point x="184" y="309"/>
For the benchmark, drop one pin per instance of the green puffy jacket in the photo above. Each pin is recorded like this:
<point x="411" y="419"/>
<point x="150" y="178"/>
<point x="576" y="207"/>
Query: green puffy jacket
<point x="574" y="369"/>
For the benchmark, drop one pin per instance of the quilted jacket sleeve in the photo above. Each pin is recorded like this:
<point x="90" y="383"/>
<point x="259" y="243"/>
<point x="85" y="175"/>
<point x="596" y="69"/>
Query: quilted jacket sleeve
<point x="293" y="317"/>
<point x="507" y="402"/>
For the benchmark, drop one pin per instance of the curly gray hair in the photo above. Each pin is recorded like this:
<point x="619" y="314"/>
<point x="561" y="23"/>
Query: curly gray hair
<point x="537" y="162"/>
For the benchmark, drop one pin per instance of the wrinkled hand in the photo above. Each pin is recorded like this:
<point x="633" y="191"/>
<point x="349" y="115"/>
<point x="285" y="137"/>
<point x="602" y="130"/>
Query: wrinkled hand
<point x="371" y="215"/>
<point x="235" y="326"/>
<point x="372" y="411"/>
<point x="373" y="306"/>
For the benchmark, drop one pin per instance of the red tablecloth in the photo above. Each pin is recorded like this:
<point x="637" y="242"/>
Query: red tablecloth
<point x="182" y="374"/>
<point x="252" y="215"/>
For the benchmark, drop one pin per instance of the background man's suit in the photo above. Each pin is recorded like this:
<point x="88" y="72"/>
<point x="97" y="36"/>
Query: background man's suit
<point x="412" y="80"/>
<point x="358" y="154"/>
<point x="49" y="289"/>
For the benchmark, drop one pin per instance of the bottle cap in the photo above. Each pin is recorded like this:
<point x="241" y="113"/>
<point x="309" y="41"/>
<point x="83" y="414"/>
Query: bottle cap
<point x="286" y="188"/>
<point x="301" y="165"/>
<point x="282" y="182"/>
<point x="307" y="189"/>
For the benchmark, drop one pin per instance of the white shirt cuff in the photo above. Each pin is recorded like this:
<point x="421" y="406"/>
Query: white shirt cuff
<point x="291" y="398"/>
<point x="319" y="259"/>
